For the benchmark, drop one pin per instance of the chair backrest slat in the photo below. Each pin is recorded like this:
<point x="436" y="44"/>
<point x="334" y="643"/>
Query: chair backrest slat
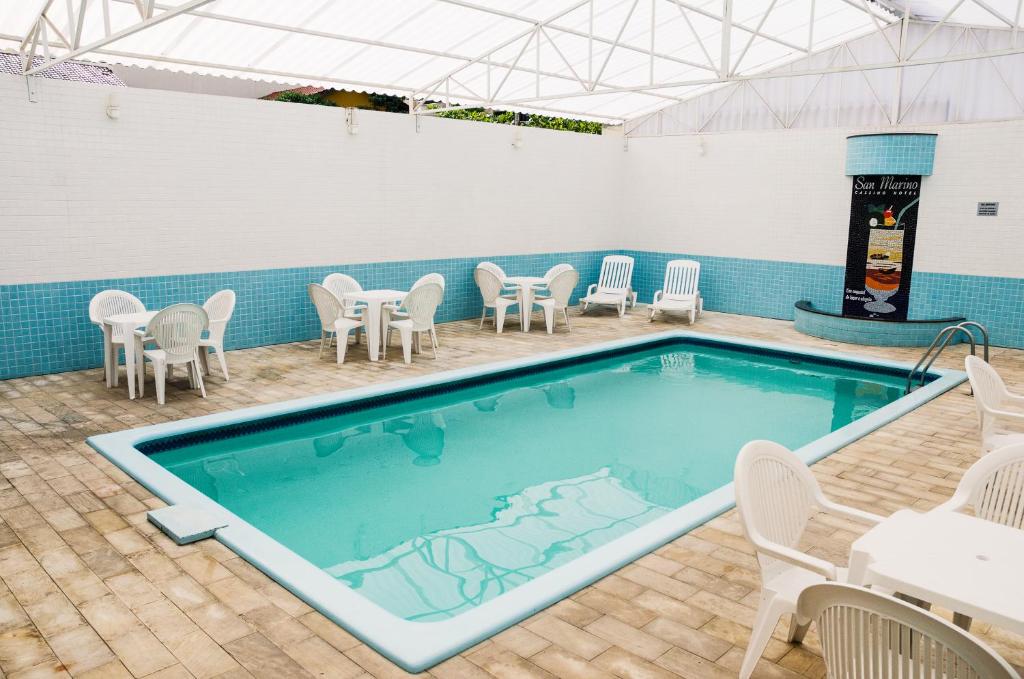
<point x="866" y="635"/>
<point x="994" y="487"/>
<point x="435" y="278"/>
<point x="555" y="270"/>
<point x="113" y="302"/>
<point x="219" y="309"/>
<point x="421" y="304"/>
<point x="328" y="307"/>
<point x="775" y="494"/>
<point x="989" y="391"/>
<point x="340" y="283"/>
<point x="562" y="285"/>
<point x="682" y="277"/>
<point x="494" y="268"/>
<point x="616" y="274"/>
<point x="489" y="284"/>
<point x="177" y="329"/>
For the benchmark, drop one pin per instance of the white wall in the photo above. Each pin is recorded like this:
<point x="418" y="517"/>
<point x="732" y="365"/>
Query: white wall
<point x="781" y="195"/>
<point x="186" y="183"/>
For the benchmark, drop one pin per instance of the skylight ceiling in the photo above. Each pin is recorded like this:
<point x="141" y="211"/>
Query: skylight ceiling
<point x="607" y="60"/>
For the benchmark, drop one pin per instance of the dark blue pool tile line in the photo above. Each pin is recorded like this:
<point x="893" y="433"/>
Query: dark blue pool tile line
<point x="765" y="288"/>
<point x="44" y="327"/>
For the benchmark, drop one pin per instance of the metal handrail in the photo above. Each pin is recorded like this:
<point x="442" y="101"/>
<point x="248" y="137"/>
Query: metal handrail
<point x="941" y="341"/>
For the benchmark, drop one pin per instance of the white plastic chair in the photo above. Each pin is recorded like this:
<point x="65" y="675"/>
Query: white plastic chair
<point x="110" y="303"/>
<point x="333" y="321"/>
<point x="419" y="305"/>
<point x="560" y="288"/>
<point x="614" y="286"/>
<point x="867" y="635"/>
<point x="389" y="311"/>
<point x="340" y="284"/>
<point x="493" y="268"/>
<point x="555" y="270"/>
<point x="993" y="488"/>
<point x="776" y="495"/>
<point x="491" y="289"/>
<point x="996" y="406"/>
<point x="176" y="331"/>
<point x="680" y="291"/>
<point x="218" y="308"/>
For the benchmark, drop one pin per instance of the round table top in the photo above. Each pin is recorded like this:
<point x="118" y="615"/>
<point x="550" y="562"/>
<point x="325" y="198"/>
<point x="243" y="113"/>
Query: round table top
<point x="524" y="280"/>
<point x="137" y="318"/>
<point x="384" y="295"/>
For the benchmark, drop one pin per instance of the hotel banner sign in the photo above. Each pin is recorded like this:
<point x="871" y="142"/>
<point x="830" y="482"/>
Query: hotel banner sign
<point x="880" y="251"/>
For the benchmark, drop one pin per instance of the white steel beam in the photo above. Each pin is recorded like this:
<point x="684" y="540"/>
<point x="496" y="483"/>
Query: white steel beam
<point x="123" y="33"/>
<point x="724" y="69"/>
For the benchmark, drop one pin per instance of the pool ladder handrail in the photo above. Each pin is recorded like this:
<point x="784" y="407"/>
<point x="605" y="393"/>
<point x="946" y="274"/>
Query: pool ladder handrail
<point x="941" y="341"/>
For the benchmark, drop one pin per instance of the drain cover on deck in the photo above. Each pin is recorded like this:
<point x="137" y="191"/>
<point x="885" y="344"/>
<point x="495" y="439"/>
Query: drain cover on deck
<point x="185" y="524"/>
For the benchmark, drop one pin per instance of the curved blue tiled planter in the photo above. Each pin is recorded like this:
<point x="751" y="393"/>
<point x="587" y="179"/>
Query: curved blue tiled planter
<point x="817" y="323"/>
<point x="902" y="153"/>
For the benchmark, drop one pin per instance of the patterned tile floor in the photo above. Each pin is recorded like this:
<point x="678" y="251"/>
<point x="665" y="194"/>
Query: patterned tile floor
<point x="90" y="589"/>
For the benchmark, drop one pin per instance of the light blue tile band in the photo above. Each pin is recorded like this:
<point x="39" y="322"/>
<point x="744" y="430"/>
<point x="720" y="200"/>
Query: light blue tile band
<point x="890" y="154"/>
<point x="44" y="327"/>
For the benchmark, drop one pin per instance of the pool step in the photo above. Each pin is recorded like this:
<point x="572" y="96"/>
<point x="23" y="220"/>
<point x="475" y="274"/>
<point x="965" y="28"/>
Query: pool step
<point x="184" y="523"/>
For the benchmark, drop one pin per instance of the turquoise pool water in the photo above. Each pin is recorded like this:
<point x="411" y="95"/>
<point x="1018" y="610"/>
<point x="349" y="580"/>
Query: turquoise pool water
<point x="432" y="505"/>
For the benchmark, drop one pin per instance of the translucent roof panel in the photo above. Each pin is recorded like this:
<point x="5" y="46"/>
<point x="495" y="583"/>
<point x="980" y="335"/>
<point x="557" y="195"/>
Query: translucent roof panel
<point x="606" y="60"/>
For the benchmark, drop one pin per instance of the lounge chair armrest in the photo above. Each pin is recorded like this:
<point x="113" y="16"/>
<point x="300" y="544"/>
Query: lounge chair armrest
<point x="795" y="557"/>
<point x="658" y="295"/>
<point x="591" y="289"/>
<point x="850" y="512"/>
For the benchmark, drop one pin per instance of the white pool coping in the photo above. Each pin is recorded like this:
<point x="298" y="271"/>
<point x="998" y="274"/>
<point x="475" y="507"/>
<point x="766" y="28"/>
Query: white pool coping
<point x="416" y="646"/>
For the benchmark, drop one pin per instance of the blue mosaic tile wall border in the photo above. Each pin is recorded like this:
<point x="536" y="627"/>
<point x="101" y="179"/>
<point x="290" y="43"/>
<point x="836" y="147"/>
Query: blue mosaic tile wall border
<point x="890" y="154"/>
<point x="44" y="327"/>
<point x="765" y="288"/>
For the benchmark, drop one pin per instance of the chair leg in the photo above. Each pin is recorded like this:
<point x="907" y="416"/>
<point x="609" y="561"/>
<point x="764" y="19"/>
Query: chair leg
<point x="140" y="366"/>
<point x="483" y="317"/>
<point x="323" y="334"/>
<point x="565" y="315"/>
<point x="115" y="364"/>
<point x="693" y="316"/>
<point x="223" y="362"/>
<point x="768" y="613"/>
<point x="160" y="376"/>
<point x="342" y="347"/>
<point x="797" y="630"/>
<point x="406" y="344"/>
<point x="622" y="308"/>
<point x="204" y="359"/>
<point x="433" y="337"/>
<point x="499" y="318"/>
<point x="433" y="344"/>
<point x="359" y="334"/>
<point x="549" y="318"/>
<point x="199" y="376"/>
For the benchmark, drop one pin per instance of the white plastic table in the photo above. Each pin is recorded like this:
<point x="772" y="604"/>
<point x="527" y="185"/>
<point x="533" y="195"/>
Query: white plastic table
<point x="968" y="565"/>
<point x="525" y="288"/>
<point x="126" y="324"/>
<point x="374" y="300"/>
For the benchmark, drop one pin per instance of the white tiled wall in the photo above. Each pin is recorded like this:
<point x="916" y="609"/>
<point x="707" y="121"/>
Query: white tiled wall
<point x="781" y="195"/>
<point x="185" y="183"/>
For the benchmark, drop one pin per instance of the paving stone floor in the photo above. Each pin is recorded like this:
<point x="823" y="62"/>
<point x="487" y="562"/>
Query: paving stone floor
<point x="91" y="589"/>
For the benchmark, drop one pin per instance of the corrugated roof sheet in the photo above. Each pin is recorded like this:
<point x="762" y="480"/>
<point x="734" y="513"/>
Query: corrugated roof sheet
<point x="68" y="70"/>
<point x="596" y="59"/>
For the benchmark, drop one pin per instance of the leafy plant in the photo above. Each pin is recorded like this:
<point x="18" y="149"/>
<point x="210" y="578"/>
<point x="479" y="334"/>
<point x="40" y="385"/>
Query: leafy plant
<point x="525" y="119"/>
<point x="300" y="98"/>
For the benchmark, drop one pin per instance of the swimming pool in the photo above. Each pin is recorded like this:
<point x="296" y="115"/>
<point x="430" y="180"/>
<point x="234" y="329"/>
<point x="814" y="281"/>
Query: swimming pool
<point x="429" y="514"/>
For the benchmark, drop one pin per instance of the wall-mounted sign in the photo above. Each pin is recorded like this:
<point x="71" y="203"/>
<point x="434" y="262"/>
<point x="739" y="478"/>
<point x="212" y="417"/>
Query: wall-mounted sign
<point x="880" y="251"/>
